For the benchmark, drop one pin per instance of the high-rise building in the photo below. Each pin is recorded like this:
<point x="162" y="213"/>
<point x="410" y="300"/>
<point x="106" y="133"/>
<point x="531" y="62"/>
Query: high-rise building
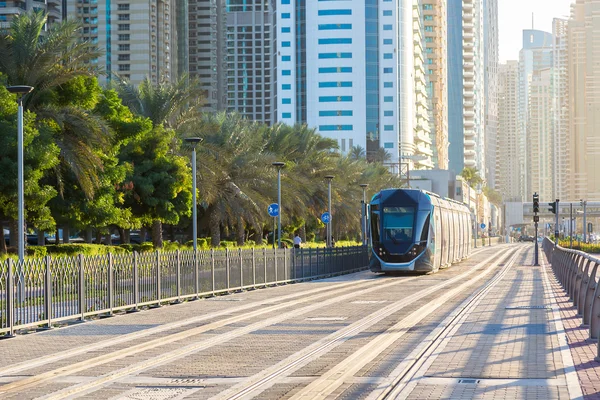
<point x="138" y="37"/>
<point x="423" y="138"/>
<point x="560" y="105"/>
<point x="251" y="65"/>
<point x="208" y="51"/>
<point x="540" y="134"/>
<point x="54" y="8"/>
<point x="584" y="100"/>
<point x="435" y="22"/>
<point x="508" y="174"/>
<point x="466" y="83"/>
<point x="535" y="55"/>
<point x="491" y="49"/>
<point x="347" y="68"/>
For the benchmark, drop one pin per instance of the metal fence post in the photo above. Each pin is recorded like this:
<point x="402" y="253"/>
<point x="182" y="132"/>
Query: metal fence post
<point x="310" y="273"/>
<point x="158" y="278"/>
<point x="241" y="269"/>
<point x="253" y="268"/>
<point x="178" y="273"/>
<point x="48" y="292"/>
<point x="227" y="266"/>
<point x="81" y="293"/>
<point x="589" y="296"/>
<point x="265" y="265"/>
<point x="196" y="275"/>
<point x="275" y="257"/>
<point x="111" y="284"/>
<point x="285" y="264"/>
<point x="10" y="299"/>
<point x="136" y="281"/>
<point x="212" y="269"/>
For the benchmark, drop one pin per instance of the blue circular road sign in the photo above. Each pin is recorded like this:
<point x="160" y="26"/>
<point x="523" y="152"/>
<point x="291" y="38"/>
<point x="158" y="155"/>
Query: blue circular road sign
<point x="326" y="217"/>
<point x="274" y="210"/>
<point x="482" y="226"/>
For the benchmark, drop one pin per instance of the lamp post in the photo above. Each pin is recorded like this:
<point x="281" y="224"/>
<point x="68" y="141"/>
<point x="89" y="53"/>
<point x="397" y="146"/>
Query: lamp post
<point x="278" y="165"/>
<point x="363" y="221"/>
<point x="20" y="91"/>
<point x="584" y="204"/>
<point x="329" y="178"/>
<point x="194" y="141"/>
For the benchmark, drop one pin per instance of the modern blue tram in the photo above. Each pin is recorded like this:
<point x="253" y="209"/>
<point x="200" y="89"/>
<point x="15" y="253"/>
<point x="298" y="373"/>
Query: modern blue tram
<point x="415" y="230"/>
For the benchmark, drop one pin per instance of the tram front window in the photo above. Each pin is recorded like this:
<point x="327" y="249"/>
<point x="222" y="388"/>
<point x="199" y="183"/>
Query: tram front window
<point x="398" y="224"/>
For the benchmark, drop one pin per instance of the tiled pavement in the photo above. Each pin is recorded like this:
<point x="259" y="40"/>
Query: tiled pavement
<point x="583" y="349"/>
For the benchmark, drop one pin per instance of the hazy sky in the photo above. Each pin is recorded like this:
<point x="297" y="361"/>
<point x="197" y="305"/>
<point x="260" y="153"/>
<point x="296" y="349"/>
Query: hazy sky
<point x="515" y="15"/>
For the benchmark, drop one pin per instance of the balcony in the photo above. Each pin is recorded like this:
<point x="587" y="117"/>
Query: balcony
<point x="470" y="143"/>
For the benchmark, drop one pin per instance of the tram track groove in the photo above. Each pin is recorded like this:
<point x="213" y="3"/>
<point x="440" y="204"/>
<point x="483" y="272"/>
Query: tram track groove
<point x="423" y="356"/>
<point x="30" y="364"/>
<point x="173" y="355"/>
<point x="267" y="377"/>
<point x="181" y="352"/>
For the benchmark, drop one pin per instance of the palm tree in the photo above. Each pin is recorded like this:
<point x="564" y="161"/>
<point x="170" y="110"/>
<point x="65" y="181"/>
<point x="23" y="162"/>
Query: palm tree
<point x="381" y="156"/>
<point x="357" y="153"/>
<point x="175" y="106"/>
<point x="47" y="61"/>
<point x="471" y="176"/>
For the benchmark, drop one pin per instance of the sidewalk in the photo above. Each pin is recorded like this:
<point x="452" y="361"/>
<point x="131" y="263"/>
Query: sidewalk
<point x="583" y="349"/>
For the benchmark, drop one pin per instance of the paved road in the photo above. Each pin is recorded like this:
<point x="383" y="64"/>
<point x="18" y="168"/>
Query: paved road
<point x="488" y="327"/>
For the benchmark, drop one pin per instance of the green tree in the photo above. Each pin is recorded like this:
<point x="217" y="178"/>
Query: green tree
<point x="471" y="176"/>
<point x="161" y="180"/>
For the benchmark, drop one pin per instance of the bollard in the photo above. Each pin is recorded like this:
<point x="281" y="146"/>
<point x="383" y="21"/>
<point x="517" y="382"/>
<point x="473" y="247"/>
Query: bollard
<point x="589" y="296"/>
<point x="595" y="314"/>
<point x="581" y="290"/>
<point x="48" y="292"/>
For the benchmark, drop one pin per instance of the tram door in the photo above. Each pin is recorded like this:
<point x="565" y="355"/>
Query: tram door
<point x="446" y="232"/>
<point x="437" y="221"/>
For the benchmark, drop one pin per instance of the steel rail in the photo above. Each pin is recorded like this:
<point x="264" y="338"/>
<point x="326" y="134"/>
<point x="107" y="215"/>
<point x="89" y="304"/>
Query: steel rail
<point x="407" y="373"/>
<point x="253" y="384"/>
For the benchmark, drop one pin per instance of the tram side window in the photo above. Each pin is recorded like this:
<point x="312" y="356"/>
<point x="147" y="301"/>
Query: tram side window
<point x="375" y="226"/>
<point x="425" y="231"/>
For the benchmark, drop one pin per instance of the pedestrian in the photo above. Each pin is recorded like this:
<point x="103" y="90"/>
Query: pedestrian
<point x="332" y="242"/>
<point x="297" y="241"/>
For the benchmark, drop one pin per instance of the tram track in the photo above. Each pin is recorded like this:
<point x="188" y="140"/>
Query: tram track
<point x="323" y="296"/>
<point x="253" y="386"/>
<point x="418" y="361"/>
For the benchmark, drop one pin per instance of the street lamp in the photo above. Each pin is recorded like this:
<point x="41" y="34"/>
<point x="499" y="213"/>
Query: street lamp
<point x="20" y="91"/>
<point x="194" y="141"/>
<point x="363" y="221"/>
<point x="278" y="165"/>
<point x="329" y="178"/>
<point x="584" y="204"/>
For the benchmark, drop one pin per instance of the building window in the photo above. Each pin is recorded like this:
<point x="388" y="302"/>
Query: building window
<point x="286" y="101"/>
<point x="387" y="13"/>
<point x="286" y="86"/>
<point x="335" y="70"/>
<point x="388" y="113"/>
<point x="285" y="29"/>
<point x="388" y="128"/>
<point x="387" y="27"/>
<point x="286" y="58"/>
<point x="285" y="44"/>
<point x="124" y="67"/>
<point x="335" y="12"/>
<point x="286" y="115"/>
<point x="388" y="99"/>
<point x="388" y="70"/>
<point x="328" y="27"/>
<point x="335" y="113"/>
<point x="286" y="72"/>
<point x="334" y="84"/>
<point x="285" y="15"/>
<point x="123" y="27"/>
<point x="332" y="99"/>
<point x="388" y="84"/>
<point x="335" y="41"/>
<point x="388" y="145"/>
<point x="335" y="127"/>
<point x="388" y="56"/>
<point x="334" y="55"/>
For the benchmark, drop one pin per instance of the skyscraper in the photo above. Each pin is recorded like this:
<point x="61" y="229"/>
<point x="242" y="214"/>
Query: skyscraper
<point x="560" y="106"/>
<point x="584" y="100"/>
<point x="207" y="50"/>
<point x="535" y="55"/>
<point x="508" y="174"/>
<point x="491" y="50"/>
<point x="466" y="74"/>
<point x="138" y="37"/>
<point x="435" y="20"/>
<point x="347" y="68"/>
<point x="251" y="66"/>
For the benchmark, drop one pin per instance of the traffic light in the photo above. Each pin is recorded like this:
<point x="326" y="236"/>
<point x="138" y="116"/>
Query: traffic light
<point x="536" y="203"/>
<point x="552" y="208"/>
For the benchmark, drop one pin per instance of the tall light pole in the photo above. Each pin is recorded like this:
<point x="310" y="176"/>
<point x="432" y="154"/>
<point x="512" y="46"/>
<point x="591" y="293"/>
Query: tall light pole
<point x="20" y="91"/>
<point x="363" y="221"/>
<point x="329" y="178"/>
<point x="278" y="165"/>
<point x="584" y="204"/>
<point x="194" y="141"/>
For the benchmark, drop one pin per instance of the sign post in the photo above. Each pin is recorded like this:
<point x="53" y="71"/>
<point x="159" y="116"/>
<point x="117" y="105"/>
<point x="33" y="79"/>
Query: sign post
<point x="273" y="211"/>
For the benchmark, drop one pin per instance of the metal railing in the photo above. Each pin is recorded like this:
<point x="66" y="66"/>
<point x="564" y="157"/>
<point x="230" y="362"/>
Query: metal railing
<point x="578" y="273"/>
<point x="44" y="291"/>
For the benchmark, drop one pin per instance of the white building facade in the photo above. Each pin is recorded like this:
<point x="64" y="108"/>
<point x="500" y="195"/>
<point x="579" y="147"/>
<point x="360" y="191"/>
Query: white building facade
<point x="347" y="69"/>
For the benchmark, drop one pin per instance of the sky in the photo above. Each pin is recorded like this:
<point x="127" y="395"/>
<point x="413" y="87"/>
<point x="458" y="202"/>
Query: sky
<point x="515" y="15"/>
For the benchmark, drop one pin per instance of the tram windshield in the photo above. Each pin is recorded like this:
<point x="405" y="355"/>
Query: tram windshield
<point x="398" y="224"/>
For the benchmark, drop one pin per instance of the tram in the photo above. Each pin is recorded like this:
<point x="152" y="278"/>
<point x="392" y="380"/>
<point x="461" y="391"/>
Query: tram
<point x="415" y="230"/>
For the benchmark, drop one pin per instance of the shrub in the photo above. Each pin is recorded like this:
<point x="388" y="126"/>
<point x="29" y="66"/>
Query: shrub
<point x="128" y="247"/>
<point x="37" y="251"/>
<point x="228" y="244"/>
<point x="83" y="248"/>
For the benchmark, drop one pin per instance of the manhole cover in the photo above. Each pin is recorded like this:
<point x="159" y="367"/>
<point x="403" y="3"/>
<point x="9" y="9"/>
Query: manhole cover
<point x="154" y="393"/>
<point x="326" y="318"/>
<point x="469" y="381"/>
<point x="529" y="308"/>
